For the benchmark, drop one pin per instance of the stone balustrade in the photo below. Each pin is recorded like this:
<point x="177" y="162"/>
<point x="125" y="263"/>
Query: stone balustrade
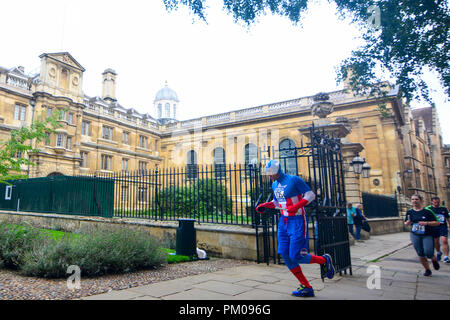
<point x="300" y="104"/>
<point x="97" y="109"/>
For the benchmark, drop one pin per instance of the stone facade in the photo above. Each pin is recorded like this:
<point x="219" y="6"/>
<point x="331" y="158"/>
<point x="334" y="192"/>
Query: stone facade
<point x="99" y="135"/>
<point x="446" y="161"/>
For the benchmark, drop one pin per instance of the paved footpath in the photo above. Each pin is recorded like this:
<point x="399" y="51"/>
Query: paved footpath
<point x="391" y="256"/>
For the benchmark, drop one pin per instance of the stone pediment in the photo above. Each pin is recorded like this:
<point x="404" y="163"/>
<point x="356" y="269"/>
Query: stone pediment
<point x="65" y="58"/>
<point x="17" y="72"/>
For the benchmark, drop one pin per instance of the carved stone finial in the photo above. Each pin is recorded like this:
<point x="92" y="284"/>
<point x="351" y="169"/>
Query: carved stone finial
<point x="322" y="107"/>
<point x="321" y="96"/>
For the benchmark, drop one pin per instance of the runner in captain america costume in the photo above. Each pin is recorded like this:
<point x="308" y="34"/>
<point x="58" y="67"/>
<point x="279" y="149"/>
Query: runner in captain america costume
<point x="291" y="195"/>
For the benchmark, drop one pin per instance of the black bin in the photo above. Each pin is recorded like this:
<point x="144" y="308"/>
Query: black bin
<point x="186" y="238"/>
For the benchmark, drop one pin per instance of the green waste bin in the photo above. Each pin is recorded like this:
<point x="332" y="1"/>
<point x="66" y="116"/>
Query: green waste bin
<point x="186" y="238"/>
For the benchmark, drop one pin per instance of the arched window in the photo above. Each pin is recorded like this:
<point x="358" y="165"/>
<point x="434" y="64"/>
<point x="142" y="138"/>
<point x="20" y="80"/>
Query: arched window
<point x="174" y="110"/>
<point x="167" y="110"/>
<point x="251" y="154"/>
<point x="191" y="165"/>
<point x="288" y="157"/>
<point x="55" y="174"/>
<point x="219" y="162"/>
<point x="159" y="110"/>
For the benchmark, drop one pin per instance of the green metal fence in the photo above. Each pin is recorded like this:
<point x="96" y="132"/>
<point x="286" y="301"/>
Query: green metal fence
<point x="60" y="194"/>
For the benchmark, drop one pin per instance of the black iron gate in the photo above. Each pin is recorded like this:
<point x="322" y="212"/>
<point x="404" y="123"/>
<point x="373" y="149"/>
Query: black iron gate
<point x="319" y="162"/>
<point x="379" y="206"/>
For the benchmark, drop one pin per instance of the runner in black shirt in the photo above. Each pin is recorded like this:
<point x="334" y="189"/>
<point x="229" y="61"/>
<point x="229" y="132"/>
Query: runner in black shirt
<point x="421" y="221"/>
<point x="441" y="231"/>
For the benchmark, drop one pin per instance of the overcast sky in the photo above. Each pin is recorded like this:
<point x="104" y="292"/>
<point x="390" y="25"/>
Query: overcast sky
<point x="214" y="67"/>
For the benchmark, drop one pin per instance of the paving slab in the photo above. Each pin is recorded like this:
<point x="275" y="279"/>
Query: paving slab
<point x="114" y="295"/>
<point x="403" y="284"/>
<point x="145" y="298"/>
<point x="362" y="283"/>
<point x="317" y="285"/>
<point x="286" y="275"/>
<point x="263" y="278"/>
<point x="350" y="291"/>
<point x="399" y="290"/>
<point x="199" y="278"/>
<point x="160" y="289"/>
<point x="279" y="287"/>
<point x="405" y="277"/>
<point x="391" y="295"/>
<point x="294" y="282"/>
<point x="197" y="294"/>
<point x="431" y="296"/>
<point x="222" y="287"/>
<point x="441" y="288"/>
<point x="249" y="283"/>
<point x="229" y="278"/>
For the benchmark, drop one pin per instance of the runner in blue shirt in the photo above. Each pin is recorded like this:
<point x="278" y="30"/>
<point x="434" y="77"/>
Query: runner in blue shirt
<point x="440" y="233"/>
<point x="291" y="195"/>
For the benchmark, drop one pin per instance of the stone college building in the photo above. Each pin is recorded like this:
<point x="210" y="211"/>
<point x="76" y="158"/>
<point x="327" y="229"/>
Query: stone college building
<point x="404" y="148"/>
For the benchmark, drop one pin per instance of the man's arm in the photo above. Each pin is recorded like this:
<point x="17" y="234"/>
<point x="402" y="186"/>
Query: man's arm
<point x="306" y="199"/>
<point x="309" y="196"/>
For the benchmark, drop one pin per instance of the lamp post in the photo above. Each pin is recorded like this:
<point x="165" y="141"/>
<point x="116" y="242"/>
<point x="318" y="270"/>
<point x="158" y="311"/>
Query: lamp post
<point x="360" y="166"/>
<point x="357" y="163"/>
<point x="365" y="170"/>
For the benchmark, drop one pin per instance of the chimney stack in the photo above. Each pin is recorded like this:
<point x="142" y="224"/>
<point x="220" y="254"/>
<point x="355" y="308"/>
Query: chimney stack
<point x="109" y="85"/>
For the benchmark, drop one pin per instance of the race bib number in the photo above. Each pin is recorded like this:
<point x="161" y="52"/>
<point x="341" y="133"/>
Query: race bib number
<point x="418" y="229"/>
<point x="279" y="193"/>
<point x="441" y="218"/>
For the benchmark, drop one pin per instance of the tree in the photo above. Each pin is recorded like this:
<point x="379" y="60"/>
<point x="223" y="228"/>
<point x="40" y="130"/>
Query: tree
<point x="403" y="37"/>
<point x="16" y="151"/>
<point x="206" y="197"/>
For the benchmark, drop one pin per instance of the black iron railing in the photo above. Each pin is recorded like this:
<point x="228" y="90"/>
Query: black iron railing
<point x="224" y="194"/>
<point x="379" y="206"/>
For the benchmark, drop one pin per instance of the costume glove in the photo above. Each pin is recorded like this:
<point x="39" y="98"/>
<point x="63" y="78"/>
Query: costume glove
<point x="269" y="205"/>
<point x="294" y="208"/>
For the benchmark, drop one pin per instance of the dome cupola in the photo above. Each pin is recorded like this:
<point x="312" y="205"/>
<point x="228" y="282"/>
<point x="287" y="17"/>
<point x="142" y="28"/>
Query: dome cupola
<point x="166" y="103"/>
<point x="166" y="93"/>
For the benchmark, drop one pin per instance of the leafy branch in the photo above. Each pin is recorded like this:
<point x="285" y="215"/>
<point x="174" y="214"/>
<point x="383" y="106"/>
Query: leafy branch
<point x="16" y="151"/>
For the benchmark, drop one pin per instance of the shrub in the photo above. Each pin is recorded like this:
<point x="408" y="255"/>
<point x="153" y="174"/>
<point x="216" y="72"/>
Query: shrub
<point x="49" y="259"/>
<point x="15" y="241"/>
<point x="203" y="196"/>
<point x="120" y="251"/>
<point x="96" y="252"/>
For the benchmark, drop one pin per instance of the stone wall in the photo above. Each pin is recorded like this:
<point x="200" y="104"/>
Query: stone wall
<point x="385" y="225"/>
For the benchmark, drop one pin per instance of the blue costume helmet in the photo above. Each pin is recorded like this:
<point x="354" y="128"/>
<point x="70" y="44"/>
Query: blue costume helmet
<point x="272" y="167"/>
